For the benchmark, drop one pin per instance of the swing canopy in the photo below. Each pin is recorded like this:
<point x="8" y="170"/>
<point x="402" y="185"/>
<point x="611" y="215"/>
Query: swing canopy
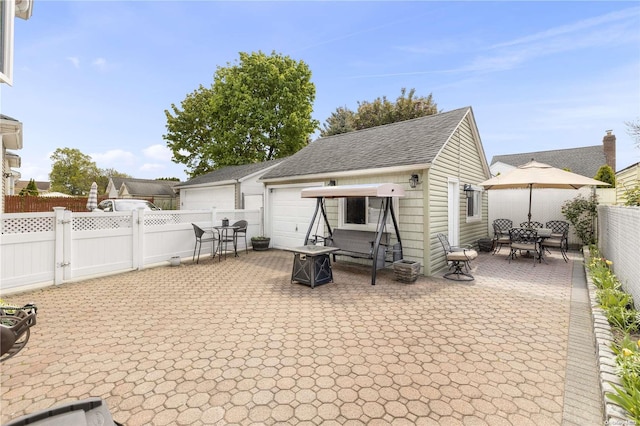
<point x="363" y="190"/>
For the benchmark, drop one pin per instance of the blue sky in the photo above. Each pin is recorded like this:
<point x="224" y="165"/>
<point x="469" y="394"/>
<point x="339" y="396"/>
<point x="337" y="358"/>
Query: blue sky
<point x="97" y="76"/>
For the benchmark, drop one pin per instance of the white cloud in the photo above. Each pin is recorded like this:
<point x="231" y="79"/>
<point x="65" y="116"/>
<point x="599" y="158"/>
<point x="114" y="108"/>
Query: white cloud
<point x="151" y="167"/>
<point x="74" y="60"/>
<point x="115" y="158"/>
<point x="100" y="63"/>
<point x="158" y="152"/>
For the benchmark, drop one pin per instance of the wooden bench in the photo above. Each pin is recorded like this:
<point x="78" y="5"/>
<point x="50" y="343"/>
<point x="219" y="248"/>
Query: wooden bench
<point x="358" y="244"/>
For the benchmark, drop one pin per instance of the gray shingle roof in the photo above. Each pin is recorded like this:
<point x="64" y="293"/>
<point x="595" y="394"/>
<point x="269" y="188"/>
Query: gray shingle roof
<point x="584" y="161"/>
<point x="230" y="173"/>
<point x="146" y="187"/>
<point x="415" y="141"/>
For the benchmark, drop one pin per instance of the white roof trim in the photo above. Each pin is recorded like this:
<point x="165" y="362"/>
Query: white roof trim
<point x="365" y="190"/>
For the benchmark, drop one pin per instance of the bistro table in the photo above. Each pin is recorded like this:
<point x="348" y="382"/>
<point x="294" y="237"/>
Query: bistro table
<point x="312" y="264"/>
<point x="223" y="237"/>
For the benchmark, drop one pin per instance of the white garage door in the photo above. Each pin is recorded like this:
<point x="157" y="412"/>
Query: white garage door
<point x="290" y="216"/>
<point x="222" y="197"/>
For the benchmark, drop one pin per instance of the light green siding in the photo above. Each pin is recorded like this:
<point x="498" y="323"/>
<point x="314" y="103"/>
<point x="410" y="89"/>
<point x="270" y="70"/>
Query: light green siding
<point x="460" y="159"/>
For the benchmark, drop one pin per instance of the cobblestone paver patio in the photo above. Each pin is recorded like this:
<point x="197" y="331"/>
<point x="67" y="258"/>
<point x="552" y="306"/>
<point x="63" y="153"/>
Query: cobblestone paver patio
<point x="235" y="342"/>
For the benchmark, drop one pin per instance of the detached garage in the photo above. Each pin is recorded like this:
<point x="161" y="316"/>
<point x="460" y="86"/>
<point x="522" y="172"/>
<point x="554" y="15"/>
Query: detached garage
<point x="228" y="188"/>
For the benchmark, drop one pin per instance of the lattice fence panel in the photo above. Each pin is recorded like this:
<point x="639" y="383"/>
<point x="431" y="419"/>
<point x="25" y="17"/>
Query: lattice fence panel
<point x="25" y="225"/>
<point x="91" y="223"/>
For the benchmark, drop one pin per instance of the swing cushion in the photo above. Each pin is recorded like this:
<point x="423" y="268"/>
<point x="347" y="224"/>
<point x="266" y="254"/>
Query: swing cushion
<point x="358" y="244"/>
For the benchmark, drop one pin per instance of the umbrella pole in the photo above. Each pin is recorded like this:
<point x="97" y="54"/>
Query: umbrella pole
<point x="530" y="191"/>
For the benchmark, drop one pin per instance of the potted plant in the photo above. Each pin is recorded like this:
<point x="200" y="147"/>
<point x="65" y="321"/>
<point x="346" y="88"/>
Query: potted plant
<point x="260" y="243"/>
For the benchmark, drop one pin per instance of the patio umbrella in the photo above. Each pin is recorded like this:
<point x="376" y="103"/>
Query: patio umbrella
<point x="538" y="175"/>
<point x="92" y="201"/>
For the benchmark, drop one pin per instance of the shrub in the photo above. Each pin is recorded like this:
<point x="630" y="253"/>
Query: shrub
<point x="581" y="213"/>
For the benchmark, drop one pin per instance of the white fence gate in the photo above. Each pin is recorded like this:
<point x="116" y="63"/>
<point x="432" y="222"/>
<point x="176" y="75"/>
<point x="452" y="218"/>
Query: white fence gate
<point x="39" y="249"/>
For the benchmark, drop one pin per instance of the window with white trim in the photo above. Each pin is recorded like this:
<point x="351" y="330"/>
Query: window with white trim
<point x="363" y="213"/>
<point x="474" y="204"/>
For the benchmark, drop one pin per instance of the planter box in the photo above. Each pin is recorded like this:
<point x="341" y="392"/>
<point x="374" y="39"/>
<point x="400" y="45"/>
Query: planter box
<point x="406" y="271"/>
<point x="485" y="244"/>
<point x="261" y="245"/>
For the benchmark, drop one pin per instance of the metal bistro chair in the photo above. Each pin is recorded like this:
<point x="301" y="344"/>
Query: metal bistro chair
<point x="501" y="234"/>
<point x="242" y="230"/>
<point x="524" y="239"/>
<point x="559" y="237"/>
<point x="459" y="258"/>
<point x="201" y="237"/>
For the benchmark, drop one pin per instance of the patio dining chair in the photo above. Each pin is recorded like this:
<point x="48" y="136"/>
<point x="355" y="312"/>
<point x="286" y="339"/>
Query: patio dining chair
<point x="559" y="237"/>
<point x="501" y="233"/>
<point x="241" y="230"/>
<point x="532" y="225"/>
<point x="457" y="258"/>
<point x="524" y="239"/>
<point x="203" y="236"/>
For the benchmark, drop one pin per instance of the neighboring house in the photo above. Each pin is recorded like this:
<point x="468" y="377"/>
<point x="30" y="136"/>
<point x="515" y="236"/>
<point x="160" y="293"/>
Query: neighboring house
<point x="43" y="187"/>
<point x="10" y="128"/>
<point x="231" y="187"/>
<point x="444" y="153"/>
<point x="11" y="135"/>
<point x="161" y="191"/>
<point x="626" y="179"/>
<point x="584" y="161"/>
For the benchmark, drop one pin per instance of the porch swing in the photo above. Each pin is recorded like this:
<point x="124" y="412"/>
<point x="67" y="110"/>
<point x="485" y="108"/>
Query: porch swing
<point x="370" y="245"/>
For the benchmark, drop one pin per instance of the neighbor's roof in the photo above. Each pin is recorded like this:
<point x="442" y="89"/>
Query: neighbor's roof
<point x="230" y="173"/>
<point x="145" y="187"/>
<point x="584" y="161"/>
<point x="409" y="142"/>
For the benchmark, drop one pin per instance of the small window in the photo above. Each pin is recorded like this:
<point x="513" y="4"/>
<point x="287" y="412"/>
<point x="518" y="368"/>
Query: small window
<point x="363" y="212"/>
<point x="474" y="205"/>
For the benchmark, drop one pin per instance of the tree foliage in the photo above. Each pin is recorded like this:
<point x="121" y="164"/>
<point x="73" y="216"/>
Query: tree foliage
<point x="30" y="189"/>
<point x="341" y="121"/>
<point x="632" y="196"/>
<point x="379" y="112"/>
<point x="633" y="129"/>
<point x="73" y="172"/>
<point x="606" y="174"/>
<point x="257" y="109"/>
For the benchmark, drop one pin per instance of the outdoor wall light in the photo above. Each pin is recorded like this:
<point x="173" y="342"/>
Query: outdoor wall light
<point x="468" y="190"/>
<point x="414" y="180"/>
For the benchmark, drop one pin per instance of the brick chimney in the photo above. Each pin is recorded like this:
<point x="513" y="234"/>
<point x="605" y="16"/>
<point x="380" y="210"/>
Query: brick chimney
<point x="609" y="146"/>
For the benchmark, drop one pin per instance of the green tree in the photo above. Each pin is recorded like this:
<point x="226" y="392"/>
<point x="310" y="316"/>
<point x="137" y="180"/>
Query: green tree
<point x="378" y="112"/>
<point x="73" y="172"/>
<point x="341" y="121"/>
<point x="257" y="109"/>
<point x="606" y="174"/>
<point x="30" y="189"/>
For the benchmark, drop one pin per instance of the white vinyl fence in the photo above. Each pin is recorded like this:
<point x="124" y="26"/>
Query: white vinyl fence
<point x="619" y="241"/>
<point x="39" y="249"/>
